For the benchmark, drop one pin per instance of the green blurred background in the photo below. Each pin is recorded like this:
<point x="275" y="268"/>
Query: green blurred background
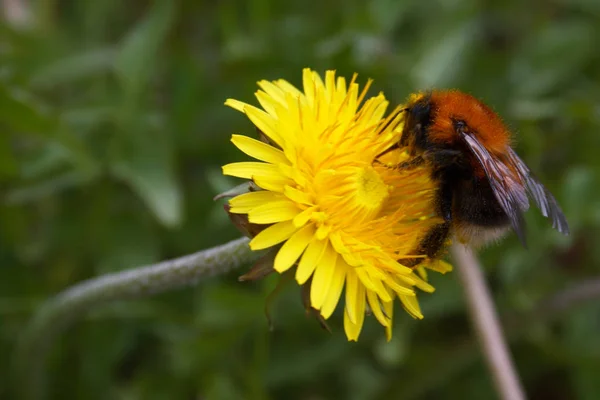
<point x="113" y="131"/>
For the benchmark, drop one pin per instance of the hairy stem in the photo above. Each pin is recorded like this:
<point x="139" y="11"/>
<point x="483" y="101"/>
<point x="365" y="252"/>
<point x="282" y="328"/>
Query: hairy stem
<point x="487" y="327"/>
<point x="58" y="312"/>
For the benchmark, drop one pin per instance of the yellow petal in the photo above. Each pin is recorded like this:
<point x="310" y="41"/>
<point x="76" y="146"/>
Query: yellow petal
<point x="322" y="277"/>
<point x="399" y="288"/>
<point x="322" y="231"/>
<point x="395" y="266"/>
<point x="338" y="244"/>
<point x="245" y="202"/>
<point x="353" y="328"/>
<point x="376" y="308"/>
<point x="330" y="85"/>
<point x="274" y="211"/>
<point x="266" y="102"/>
<point x="411" y="305"/>
<point x="273" y="235"/>
<point x="406" y="279"/>
<point x="259" y="150"/>
<point x="308" y="85"/>
<point x="335" y="288"/>
<point x="380" y="288"/>
<point x="272" y="91"/>
<point x="388" y="308"/>
<point x="249" y="169"/>
<point x="421" y="284"/>
<point x="351" y="295"/>
<point x="422" y="272"/>
<point x="298" y="195"/>
<point x="440" y="266"/>
<point x="288" y="87"/>
<point x="235" y="104"/>
<point x="340" y="89"/>
<point x="364" y="278"/>
<point x="265" y="123"/>
<point x="293" y="248"/>
<point x="311" y="257"/>
<point x="302" y="218"/>
<point x="272" y="183"/>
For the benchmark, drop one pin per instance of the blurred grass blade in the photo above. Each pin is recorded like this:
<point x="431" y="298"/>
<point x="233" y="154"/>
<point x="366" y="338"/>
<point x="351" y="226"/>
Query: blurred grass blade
<point x="74" y="67"/>
<point x="46" y="188"/>
<point x="24" y="115"/>
<point x="441" y="61"/>
<point x="140" y="47"/>
<point x="144" y="159"/>
<point x="149" y="170"/>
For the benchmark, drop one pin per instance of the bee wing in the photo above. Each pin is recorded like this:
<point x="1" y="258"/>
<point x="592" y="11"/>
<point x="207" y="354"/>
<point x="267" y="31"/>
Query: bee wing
<point x="508" y="189"/>
<point x="542" y="197"/>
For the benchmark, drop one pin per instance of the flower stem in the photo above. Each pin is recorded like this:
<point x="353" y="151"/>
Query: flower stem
<point x="61" y="310"/>
<point x="487" y="327"/>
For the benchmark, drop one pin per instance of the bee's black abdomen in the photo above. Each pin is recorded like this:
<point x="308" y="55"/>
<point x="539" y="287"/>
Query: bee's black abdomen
<point x="463" y="199"/>
<point x="475" y="203"/>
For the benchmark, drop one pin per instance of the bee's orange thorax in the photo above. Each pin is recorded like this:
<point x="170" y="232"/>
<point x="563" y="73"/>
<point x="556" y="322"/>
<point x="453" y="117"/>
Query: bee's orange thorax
<point x="452" y="105"/>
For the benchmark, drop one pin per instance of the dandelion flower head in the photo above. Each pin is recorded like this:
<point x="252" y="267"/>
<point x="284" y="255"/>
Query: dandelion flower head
<point x="342" y="219"/>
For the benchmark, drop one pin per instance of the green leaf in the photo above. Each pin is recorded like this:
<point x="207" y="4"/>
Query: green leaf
<point x="74" y="67"/>
<point x="24" y="114"/>
<point x="147" y="166"/>
<point x="140" y="48"/>
<point x="8" y="163"/>
<point x="442" y="60"/>
<point x="48" y="187"/>
<point x="552" y="57"/>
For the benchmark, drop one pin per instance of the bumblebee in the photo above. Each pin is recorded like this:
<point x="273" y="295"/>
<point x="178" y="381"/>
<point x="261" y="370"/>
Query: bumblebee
<point x="483" y="187"/>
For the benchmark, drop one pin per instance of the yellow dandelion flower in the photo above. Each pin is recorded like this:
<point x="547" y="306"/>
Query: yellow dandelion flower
<point x="341" y="218"/>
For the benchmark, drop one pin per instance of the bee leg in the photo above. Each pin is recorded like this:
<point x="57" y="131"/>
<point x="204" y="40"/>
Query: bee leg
<point x="414" y="162"/>
<point x="433" y="243"/>
<point x="390" y="149"/>
<point x="444" y="157"/>
<point x="430" y="246"/>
